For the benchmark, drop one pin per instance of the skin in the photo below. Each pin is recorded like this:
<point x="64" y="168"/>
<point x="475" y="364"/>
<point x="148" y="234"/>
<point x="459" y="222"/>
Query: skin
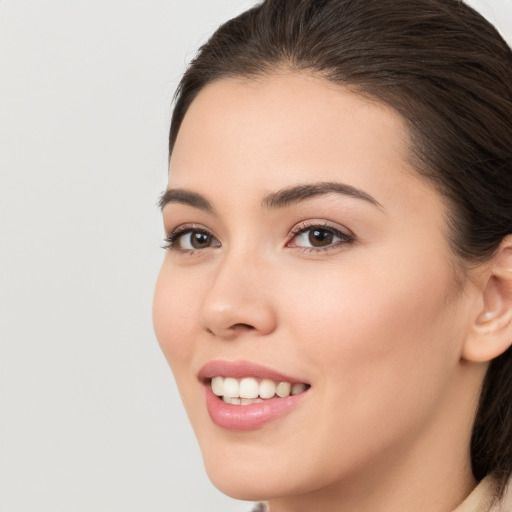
<point x="377" y="325"/>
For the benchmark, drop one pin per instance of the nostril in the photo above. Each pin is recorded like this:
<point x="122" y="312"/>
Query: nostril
<point x="245" y="327"/>
<point x="231" y="331"/>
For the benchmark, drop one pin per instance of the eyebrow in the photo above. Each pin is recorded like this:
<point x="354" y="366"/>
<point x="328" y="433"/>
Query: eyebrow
<point x="280" y="199"/>
<point x="298" y="193"/>
<point x="179" y="195"/>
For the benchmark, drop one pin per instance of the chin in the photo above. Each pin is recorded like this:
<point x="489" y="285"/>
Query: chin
<point x="244" y="488"/>
<point x="240" y="475"/>
<point x="262" y="473"/>
<point x="248" y="484"/>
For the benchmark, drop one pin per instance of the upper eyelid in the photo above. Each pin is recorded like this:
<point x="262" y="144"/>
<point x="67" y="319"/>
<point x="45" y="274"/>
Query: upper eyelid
<point x="346" y="236"/>
<point x="298" y="228"/>
<point x="173" y="238"/>
<point x="188" y="226"/>
<point x="323" y="224"/>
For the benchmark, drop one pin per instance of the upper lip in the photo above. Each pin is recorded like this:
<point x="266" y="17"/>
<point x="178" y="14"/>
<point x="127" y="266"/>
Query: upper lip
<point x="240" y="369"/>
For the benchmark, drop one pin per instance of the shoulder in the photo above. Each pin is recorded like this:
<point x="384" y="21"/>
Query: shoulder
<point x="484" y="498"/>
<point x="505" y="505"/>
<point x="260" y="507"/>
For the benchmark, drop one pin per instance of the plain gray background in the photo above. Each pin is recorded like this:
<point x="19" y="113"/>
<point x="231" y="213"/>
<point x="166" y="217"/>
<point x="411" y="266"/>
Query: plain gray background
<point x="90" y="420"/>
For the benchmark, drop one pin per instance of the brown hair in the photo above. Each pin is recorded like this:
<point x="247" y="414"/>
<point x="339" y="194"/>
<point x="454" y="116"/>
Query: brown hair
<point x="448" y="72"/>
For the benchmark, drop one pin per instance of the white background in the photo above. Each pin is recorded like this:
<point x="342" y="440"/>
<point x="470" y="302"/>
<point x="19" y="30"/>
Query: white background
<point x="90" y="420"/>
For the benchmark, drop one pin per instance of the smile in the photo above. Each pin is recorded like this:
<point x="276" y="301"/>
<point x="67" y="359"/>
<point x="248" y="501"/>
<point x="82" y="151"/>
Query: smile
<point x="244" y="396"/>
<point x="249" y="390"/>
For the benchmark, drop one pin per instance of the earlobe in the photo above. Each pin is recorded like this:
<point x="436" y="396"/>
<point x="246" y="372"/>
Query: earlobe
<point x="491" y="332"/>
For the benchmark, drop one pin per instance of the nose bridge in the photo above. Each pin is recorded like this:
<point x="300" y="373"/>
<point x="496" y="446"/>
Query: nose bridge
<point x="239" y="298"/>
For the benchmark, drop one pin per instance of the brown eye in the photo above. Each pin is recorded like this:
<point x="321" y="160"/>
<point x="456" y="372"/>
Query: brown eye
<point x="195" y="239"/>
<point x="190" y="239"/>
<point x="320" y="237"/>
<point x="200" y="240"/>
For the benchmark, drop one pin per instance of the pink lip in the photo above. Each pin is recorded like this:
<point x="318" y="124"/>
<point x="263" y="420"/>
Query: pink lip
<point x="246" y="417"/>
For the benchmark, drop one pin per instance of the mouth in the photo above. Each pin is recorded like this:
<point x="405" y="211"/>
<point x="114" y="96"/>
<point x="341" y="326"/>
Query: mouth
<point x="250" y="390"/>
<point x="245" y="396"/>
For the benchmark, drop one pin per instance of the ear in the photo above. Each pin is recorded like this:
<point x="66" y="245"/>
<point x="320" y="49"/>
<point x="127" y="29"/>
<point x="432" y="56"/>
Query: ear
<point x="491" y="331"/>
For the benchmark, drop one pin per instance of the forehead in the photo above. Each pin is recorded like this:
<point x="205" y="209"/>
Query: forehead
<point x="285" y="129"/>
<point x="286" y="118"/>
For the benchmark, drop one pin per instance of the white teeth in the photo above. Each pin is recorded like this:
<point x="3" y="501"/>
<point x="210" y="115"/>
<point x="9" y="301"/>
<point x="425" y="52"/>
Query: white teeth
<point x="249" y="391"/>
<point x="298" y="388"/>
<point x="283" y="389"/>
<point x="267" y="388"/>
<point x="231" y="387"/>
<point x="249" y="388"/>
<point x="231" y="400"/>
<point x="218" y="386"/>
<point x="247" y="401"/>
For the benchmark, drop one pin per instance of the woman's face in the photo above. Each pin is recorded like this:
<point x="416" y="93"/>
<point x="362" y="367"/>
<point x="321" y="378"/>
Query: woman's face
<point x="305" y="249"/>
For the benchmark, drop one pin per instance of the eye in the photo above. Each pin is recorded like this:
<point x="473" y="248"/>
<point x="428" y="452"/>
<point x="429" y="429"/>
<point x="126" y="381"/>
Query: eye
<point x="318" y="237"/>
<point x="188" y="239"/>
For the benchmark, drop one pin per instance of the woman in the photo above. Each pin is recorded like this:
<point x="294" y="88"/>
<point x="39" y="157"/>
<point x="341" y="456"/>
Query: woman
<point x="336" y="298"/>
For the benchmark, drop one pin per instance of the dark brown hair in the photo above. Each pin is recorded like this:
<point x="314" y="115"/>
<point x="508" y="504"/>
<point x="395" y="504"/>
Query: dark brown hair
<point x="448" y="72"/>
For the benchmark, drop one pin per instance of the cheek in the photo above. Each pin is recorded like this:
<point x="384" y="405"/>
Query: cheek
<point x="379" y="348"/>
<point x="376" y="341"/>
<point x="375" y="303"/>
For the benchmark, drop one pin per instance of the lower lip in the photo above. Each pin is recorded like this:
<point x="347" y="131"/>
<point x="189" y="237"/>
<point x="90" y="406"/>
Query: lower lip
<point x="248" y="417"/>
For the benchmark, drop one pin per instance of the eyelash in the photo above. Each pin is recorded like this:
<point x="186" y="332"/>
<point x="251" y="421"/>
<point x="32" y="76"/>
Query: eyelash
<point x="172" y="241"/>
<point x="305" y="227"/>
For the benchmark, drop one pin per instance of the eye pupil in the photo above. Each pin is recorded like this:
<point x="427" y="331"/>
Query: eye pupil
<point x="200" y="240"/>
<point x="320" y="237"/>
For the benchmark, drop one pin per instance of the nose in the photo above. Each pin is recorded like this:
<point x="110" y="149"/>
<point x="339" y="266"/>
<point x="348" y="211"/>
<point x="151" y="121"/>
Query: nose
<point x="238" y="301"/>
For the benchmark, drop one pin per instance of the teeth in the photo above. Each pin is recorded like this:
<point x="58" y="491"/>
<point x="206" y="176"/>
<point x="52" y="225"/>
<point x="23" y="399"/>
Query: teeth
<point x="249" y="388"/>
<point x="218" y="386"/>
<point x="231" y="388"/>
<point x="247" y="401"/>
<point x="298" y="388"/>
<point x="283" y="389"/>
<point x="231" y="400"/>
<point x="267" y="388"/>
<point x="241" y="401"/>
<point x="249" y="391"/>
